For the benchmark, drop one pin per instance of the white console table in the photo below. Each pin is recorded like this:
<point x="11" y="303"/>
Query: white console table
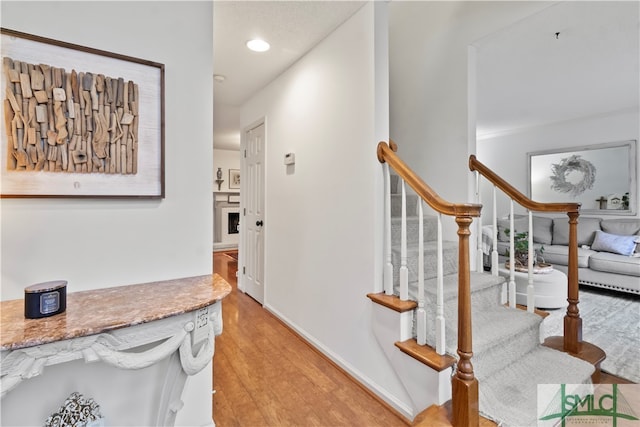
<point x="171" y="323"/>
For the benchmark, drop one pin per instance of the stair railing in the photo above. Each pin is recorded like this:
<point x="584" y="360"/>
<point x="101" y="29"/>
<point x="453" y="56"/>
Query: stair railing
<point x="464" y="383"/>
<point x="572" y="322"/>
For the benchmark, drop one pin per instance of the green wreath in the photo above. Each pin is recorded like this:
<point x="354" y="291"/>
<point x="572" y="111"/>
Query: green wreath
<point x="573" y="163"/>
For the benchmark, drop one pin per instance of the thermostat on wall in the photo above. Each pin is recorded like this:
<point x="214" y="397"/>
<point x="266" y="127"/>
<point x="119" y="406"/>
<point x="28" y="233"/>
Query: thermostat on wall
<point x="289" y="158"/>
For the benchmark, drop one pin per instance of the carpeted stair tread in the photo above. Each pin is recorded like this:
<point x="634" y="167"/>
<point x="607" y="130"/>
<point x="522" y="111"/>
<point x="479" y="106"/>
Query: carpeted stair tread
<point x="485" y="297"/>
<point x="396" y="204"/>
<point x="430" y="218"/>
<point x="509" y="396"/>
<point x="430" y="249"/>
<point x="480" y="285"/>
<point x="485" y="291"/>
<point x="479" y="282"/>
<point x="449" y="262"/>
<point x="501" y="336"/>
<point x="499" y="325"/>
<point x="395" y="183"/>
<point x="430" y="229"/>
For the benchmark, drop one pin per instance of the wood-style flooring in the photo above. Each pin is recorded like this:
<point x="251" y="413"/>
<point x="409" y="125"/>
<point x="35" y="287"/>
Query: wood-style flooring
<point x="265" y="375"/>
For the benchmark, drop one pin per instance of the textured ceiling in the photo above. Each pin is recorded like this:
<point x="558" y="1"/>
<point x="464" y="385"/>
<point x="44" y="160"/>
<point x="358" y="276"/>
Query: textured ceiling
<point x="291" y="27"/>
<point x="528" y="77"/>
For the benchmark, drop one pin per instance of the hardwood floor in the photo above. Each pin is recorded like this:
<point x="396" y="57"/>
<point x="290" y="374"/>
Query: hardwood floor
<point x="265" y="375"/>
<point x="607" y="378"/>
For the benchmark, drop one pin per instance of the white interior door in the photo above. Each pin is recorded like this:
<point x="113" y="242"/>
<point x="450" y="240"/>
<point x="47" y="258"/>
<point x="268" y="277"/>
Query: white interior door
<point x="252" y="225"/>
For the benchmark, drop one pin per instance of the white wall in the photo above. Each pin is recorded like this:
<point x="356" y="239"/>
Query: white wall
<point x="103" y="243"/>
<point x="225" y="159"/>
<point x="432" y="96"/>
<point x="507" y="154"/>
<point x="429" y="44"/>
<point x="432" y="90"/>
<point x="322" y="220"/>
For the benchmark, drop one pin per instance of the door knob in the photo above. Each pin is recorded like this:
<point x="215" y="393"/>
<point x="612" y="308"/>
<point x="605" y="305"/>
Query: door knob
<point x="259" y="223"/>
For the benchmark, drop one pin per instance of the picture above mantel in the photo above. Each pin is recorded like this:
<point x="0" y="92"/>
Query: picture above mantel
<point x="602" y="177"/>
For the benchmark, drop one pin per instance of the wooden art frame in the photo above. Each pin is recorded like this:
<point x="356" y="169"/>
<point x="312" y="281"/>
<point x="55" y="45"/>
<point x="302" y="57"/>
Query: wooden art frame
<point x="592" y="175"/>
<point x="234" y="178"/>
<point x="140" y="175"/>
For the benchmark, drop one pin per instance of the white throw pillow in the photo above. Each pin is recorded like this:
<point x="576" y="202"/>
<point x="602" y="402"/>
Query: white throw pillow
<point x="605" y="242"/>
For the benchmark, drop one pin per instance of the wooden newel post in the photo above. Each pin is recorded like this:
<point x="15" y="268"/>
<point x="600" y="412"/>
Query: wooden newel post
<point x="572" y="321"/>
<point x="464" y="384"/>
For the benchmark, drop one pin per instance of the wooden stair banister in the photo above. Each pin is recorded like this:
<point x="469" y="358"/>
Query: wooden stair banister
<point x="387" y="155"/>
<point x="495" y="179"/>
<point x="465" y="407"/>
<point x="572" y="342"/>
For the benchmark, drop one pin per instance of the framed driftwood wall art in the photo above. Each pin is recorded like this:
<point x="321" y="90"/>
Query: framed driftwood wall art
<point x="602" y="177"/>
<point x="79" y="122"/>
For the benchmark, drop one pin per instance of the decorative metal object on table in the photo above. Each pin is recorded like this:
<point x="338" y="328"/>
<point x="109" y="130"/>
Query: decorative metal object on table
<point x="76" y="411"/>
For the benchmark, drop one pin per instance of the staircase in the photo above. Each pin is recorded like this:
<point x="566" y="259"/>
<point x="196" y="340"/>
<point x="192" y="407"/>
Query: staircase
<point x="508" y="360"/>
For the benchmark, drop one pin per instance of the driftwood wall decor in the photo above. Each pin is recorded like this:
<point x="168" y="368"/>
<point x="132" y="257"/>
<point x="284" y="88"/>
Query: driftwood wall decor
<point x="79" y="121"/>
<point x="60" y="121"/>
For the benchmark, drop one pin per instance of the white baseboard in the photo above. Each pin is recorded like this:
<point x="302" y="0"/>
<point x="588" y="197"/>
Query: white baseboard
<point x="402" y="408"/>
<point x="217" y="247"/>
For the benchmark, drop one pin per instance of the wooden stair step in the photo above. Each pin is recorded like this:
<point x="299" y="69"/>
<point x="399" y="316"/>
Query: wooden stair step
<point x="426" y="354"/>
<point x="393" y="302"/>
<point x="537" y="311"/>
<point x="588" y="352"/>
<point x="440" y="416"/>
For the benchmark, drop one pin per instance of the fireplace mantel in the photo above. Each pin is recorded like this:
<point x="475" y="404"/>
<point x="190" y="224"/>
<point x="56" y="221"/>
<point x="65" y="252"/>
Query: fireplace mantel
<point x="223" y="238"/>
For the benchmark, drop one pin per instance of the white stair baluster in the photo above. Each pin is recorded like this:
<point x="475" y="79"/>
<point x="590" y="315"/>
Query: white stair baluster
<point x="512" y="260"/>
<point x="440" y="322"/>
<point x="479" y="252"/>
<point x="388" y="266"/>
<point x="421" y="313"/>
<point x="494" y="252"/>
<point x="530" y="288"/>
<point x="404" y="271"/>
<point x="495" y="262"/>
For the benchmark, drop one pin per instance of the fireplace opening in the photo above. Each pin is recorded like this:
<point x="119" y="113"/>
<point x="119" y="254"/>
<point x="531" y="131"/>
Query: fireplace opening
<point x="234" y="222"/>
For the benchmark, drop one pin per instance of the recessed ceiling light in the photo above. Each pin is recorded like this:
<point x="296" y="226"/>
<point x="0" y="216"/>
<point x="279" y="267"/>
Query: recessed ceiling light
<point x="219" y="78"/>
<point x="258" y="45"/>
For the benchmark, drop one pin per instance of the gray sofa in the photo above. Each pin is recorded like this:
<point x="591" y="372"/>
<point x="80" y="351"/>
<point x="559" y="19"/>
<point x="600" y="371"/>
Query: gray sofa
<point x="608" y="249"/>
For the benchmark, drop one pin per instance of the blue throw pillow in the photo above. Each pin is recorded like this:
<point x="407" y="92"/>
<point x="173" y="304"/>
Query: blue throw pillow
<point x="623" y="245"/>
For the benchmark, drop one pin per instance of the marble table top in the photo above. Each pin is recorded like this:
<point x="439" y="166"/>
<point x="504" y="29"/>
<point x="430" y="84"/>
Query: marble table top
<point x="100" y="310"/>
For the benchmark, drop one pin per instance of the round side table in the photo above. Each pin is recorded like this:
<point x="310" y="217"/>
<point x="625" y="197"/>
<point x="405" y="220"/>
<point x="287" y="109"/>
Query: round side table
<point x="550" y="289"/>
